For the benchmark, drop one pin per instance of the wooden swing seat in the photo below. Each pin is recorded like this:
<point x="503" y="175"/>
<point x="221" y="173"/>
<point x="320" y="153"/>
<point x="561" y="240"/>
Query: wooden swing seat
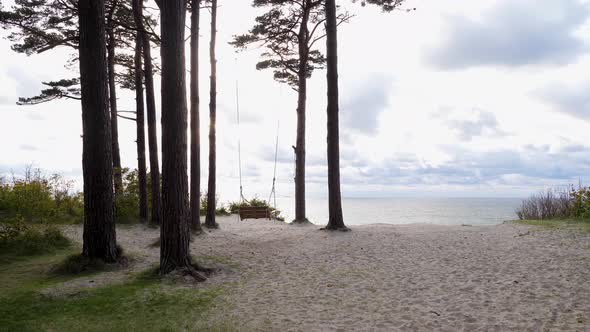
<point x="255" y="212"/>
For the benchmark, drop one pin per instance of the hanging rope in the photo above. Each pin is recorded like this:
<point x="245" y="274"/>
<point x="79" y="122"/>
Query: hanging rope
<point x="242" y="199"/>
<point x="273" y="189"/>
<point x="273" y="192"/>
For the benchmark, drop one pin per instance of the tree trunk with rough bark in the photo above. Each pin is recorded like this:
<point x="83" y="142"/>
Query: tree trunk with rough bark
<point x="300" y="216"/>
<point x="336" y="220"/>
<point x="140" y="121"/>
<point x="118" y="178"/>
<point x="211" y="204"/>
<point x="175" y="232"/>
<point x="99" y="234"/>
<point x="156" y="211"/>
<point x="195" y="191"/>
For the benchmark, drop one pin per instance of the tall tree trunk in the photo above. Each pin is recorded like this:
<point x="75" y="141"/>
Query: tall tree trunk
<point x="97" y="160"/>
<point x="210" y="218"/>
<point x="195" y="192"/>
<point x="118" y="178"/>
<point x="175" y="232"/>
<point x="336" y="220"/>
<point x="140" y="119"/>
<point x="151" y="114"/>
<point x="301" y="108"/>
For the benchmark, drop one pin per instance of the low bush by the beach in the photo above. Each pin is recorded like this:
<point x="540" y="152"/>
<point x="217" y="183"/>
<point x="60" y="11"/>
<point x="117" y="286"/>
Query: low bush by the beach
<point x="556" y="203"/>
<point x="220" y="209"/>
<point x="39" y="198"/>
<point x="21" y="239"/>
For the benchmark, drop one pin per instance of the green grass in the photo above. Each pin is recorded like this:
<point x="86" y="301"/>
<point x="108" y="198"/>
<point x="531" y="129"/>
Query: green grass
<point x="143" y="303"/>
<point x="577" y="224"/>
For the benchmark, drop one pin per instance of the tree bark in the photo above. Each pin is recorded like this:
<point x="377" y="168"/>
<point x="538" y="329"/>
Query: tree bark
<point x="195" y="190"/>
<point x="210" y="218"/>
<point x="140" y="121"/>
<point x="118" y="178"/>
<point x="300" y="216"/>
<point x="97" y="160"/>
<point x="175" y="232"/>
<point x="336" y="220"/>
<point x="156" y="215"/>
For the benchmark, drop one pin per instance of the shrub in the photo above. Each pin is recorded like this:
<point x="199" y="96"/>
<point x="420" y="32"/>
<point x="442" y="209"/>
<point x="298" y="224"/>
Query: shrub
<point x="220" y="210"/>
<point x="20" y="239"/>
<point x="560" y="203"/>
<point x="38" y="198"/>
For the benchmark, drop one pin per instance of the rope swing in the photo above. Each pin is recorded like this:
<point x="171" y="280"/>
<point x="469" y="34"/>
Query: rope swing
<point x="272" y="195"/>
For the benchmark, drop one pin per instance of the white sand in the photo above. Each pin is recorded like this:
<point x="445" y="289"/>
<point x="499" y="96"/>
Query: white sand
<point x="384" y="278"/>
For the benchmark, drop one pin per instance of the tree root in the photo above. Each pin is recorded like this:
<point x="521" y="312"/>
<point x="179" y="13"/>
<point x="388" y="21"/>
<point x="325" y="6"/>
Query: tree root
<point x="214" y="226"/>
<point x="301" y="222"/>
<point x="336" y="228"/>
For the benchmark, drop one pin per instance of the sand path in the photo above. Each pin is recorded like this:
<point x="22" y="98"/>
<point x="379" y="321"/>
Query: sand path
<point x="384" y="278"/>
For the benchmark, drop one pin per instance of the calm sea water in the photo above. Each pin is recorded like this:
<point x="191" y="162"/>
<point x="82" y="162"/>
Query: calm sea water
<point x="439" y="211"/>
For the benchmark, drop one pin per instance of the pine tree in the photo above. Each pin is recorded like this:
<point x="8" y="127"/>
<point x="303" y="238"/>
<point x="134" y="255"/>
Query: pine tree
<point x="211" y="186"/>
<point x="289" y="31"/>
<point x="140" y="115"/>
<point x="38" y="26"/>
<point x="99" y="220"/>
<point x="175" y="231"/>
<point x="195" y="185"/>
<point x="336" y="219"/>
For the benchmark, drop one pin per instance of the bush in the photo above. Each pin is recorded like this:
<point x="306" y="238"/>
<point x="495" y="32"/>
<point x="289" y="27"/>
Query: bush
<point x="38" y="198"/>
<point x="560" y="203"/>
<point x="220" y="210"/>
<point x="21" y="239"/>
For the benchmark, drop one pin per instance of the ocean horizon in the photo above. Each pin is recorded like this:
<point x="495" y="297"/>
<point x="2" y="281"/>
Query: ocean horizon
<point x="404" y="211"/>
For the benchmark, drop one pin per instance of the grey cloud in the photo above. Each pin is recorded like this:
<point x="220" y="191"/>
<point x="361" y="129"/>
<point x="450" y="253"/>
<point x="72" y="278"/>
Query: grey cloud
<point x="361" y="111"/>
<point x="513" y="33"/>
<point x="476" y="168"/>
<point x="573" y="100"/>
<point x="485" y="124"/>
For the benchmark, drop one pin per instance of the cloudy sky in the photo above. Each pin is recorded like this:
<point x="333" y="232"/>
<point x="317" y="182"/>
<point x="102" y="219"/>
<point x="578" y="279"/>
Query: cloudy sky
<point x="458" y="98"/>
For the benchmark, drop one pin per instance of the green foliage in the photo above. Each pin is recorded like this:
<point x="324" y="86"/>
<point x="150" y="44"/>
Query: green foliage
<point x="131" y="306"/>
<point x="288" y="31"/>
<point x="220" y="210"/>
<point x="581" y="203"/>
<point x="127" y="203"/>
<point x="64" y="88"/>
<point x="563" y="203"/>
<point x="20" y="239"/>
<point x="39" y="198"/>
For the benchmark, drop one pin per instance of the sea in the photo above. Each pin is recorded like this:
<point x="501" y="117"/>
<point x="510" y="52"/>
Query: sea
<point x="402" y="211"/>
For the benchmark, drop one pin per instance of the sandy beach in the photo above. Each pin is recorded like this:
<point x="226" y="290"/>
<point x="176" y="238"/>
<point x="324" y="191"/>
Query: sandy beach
<point x="381" y="277"/>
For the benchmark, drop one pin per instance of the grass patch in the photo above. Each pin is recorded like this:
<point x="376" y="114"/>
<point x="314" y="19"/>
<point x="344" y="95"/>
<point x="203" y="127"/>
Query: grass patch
<point x="144" y="303"/>
<point x="24" y="240"/>
<point x="78" y="264"/>
<point x="29" y="273"/>
<point x="140" y="305"/>
<point x="576" y="224"/>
